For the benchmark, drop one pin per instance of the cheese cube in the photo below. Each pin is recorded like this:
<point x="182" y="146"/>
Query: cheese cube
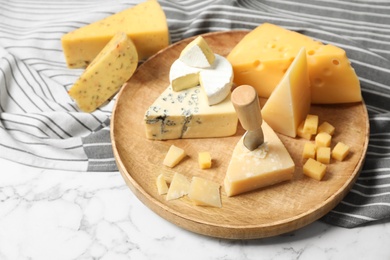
<point x="309" y="150"/>
<point x="327" y="128"/>
<point x="311" y="124"/>
<point x="162" y="186"/>
<point x="174" y="156"/>
<point x="323" y="139"/>
<point x="323" y="155"/>
<point x="204" y="159"/>
<point x="204" y="192"/>
<point x="314" y="169"/>
<point x="340" y="151"/>
<point x="112" y="67"/>
<point x="179" y="187"/>
<point x="303" y="134"/>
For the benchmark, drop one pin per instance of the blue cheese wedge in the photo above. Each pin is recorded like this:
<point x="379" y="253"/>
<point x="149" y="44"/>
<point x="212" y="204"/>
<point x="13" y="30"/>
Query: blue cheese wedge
<point x="186" y="114"/>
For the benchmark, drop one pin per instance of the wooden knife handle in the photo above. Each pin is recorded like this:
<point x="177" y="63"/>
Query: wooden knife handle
<point x="247" y="106"/>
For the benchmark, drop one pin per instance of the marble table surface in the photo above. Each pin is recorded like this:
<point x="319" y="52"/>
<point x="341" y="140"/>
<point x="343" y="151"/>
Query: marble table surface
<point x="47" y="214"/>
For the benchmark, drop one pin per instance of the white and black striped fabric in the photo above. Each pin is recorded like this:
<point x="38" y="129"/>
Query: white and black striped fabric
<point x="41" y="126"/>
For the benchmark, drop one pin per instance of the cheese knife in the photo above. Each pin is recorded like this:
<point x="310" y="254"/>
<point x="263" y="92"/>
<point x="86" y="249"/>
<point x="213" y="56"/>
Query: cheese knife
<point x="247" y="105"/>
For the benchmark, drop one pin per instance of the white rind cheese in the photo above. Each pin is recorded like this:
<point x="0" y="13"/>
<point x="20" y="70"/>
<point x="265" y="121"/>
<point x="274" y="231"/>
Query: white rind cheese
<point x="216" y="80"/>
<point x="197" y="54"/>
<point x="186" y="114"/>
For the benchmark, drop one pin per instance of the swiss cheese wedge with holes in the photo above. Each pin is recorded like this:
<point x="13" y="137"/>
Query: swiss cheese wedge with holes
<point x="263" y="56"/>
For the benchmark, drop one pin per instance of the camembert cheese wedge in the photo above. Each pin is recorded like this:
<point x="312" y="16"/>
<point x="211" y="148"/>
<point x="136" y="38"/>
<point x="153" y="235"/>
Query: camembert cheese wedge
<point x="186" y="114"/>
<point x="289" y="103"/>
<point x="144" y="23"/>
<point x="113" y="66"/>
<point x="269" y="164"/>
<point x="263" y="56"/>
<point x="197" y="54"/>
<point x="216" y="80"/>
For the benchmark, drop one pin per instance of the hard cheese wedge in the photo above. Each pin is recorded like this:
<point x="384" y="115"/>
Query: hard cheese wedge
<point x="250" y="170"/>
<point x="186" y="114"/>
<point x="289" y="103"/>
<point x="114" y="65"/>
<point x="262" y="57"/>
<point x="216" y="80"/>
<point x="144" y="23"/>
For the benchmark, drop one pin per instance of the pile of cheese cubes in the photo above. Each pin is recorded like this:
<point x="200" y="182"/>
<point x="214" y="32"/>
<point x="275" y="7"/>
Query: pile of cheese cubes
<point x="319" y="152"/>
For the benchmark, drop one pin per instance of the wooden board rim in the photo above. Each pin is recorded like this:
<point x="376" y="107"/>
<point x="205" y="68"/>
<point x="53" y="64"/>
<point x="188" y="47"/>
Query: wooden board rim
<point x="229" y="231"/>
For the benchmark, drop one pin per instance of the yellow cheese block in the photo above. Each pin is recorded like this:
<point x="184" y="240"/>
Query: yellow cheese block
<point x="204" y="192"/>
<point x="113" y="66"/>
<point x="204" y="160"/>
<point x="314" y="169"/>
<point x="144" y="23"/>
<point x="263" y="56"/>
<point x="340" y="151"/>
<point x="267" y="165"/>
<point x="289" y="103"/>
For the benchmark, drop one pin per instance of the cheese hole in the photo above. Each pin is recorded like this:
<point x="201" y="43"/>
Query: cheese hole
<point x="311" y="52"/>
<point x="335" y="62"/>
<point x="271" y="45"/>
<point x="327" y="72"/>
<point x="258" y="65"/>
<point x="318" y="82"/>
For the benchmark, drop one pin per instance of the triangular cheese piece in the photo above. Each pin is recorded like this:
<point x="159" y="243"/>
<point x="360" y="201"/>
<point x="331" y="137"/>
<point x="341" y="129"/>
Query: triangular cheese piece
<point x="289" y="103"/>
<point x="269" y="164"/>
<point x="179" y="187"/>
<point x="197" y="54"/>
<point x="261" y="58"/>
<point x="112" y="67"/>
<point x="144" y="23"/>
<point x="187" y="114"/>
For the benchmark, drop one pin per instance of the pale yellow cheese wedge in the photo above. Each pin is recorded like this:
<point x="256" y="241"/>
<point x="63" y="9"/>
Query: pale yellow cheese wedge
<point x="174" y="156"/>
<point x="205" y="192"/>
<point x="179" y="187"/>
<point x="263" y="56"/>
<point x="144" y="23"/>
<point x="114" y="65"/>
<point x="267" y="165"/>
<point x="289" y="103"/>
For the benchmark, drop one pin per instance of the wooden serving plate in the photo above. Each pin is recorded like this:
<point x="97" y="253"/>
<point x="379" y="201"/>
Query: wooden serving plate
<point x="262" y="213"/>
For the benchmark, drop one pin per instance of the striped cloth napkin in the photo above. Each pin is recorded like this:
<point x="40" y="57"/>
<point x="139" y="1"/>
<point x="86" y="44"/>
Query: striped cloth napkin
<point x="41" y="126"/>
